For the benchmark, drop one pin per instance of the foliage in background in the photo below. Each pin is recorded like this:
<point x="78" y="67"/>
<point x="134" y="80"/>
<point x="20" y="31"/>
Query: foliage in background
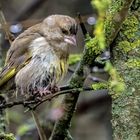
<point x="23" y="129"/>
<point x="9" y="136"/>
<point x="116" y="83"/>
<point x="99" y="86"/>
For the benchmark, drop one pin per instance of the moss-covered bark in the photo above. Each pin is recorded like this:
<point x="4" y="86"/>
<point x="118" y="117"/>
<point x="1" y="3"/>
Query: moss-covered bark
<point x="126" y="49"/>
<point x="2" y="99"/>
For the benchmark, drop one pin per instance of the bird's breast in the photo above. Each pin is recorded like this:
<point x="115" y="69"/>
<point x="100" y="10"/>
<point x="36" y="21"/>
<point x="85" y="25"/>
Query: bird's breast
<point x="41" y="71"/>
<point x="46" y="67"/>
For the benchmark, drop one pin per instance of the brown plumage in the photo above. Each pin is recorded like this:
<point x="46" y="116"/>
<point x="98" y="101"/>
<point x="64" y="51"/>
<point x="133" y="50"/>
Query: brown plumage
<point x="38" y="57"/>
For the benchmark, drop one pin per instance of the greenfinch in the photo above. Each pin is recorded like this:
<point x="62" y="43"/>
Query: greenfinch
<point x="38" y="58"/>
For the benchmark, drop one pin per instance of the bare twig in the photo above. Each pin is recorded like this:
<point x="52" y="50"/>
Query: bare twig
<point x="39" y="127"/>
<point x="36" y="103"/>
<point x="84" y="30"/>
<point x="3" y="22"/>
<point x="55" y="95"/>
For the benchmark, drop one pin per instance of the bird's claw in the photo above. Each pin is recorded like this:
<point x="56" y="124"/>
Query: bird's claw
<point x="54" y="89"/>
<point x="39" y="93"/>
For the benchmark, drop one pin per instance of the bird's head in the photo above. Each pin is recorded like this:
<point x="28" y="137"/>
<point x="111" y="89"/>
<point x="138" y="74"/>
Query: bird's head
<point x="60" y="28"/>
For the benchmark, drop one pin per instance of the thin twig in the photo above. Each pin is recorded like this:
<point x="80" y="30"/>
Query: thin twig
<point x="36" y="103"/>
<point x="38" y="126"/>
<point x="84" y="30"/>
<point x="55" y="95"/>
<point x="8" y="35"/>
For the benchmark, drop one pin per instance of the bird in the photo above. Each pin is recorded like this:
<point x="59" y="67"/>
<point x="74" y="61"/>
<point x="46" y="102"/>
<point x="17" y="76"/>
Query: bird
<point x="38" y="58"/>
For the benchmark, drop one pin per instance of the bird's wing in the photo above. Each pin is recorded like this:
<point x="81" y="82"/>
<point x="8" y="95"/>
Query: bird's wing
<point x="19" y="54"/>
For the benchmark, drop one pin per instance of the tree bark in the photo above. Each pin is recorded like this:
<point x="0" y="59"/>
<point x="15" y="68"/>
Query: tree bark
<point x="126" y="52"/>
<point x="2" y="99"/>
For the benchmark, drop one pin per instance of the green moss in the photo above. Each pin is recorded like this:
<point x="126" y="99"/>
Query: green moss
<point x="91" y="51"/>
<point x="76" y="81"/>
<point x="108" y="26"/>
<point x="115" y="7"/>
<point x="125" y="109"/>
<point x="133" y="63"/>
<point x="131" y="27"/>
<point x="116" y="83"/>
<point x="7" y="136"/>
<point x="116" y="88"/>
<point x="130" y="36"/>
<point x="101" y="5"/>
<point x="97" y="44"/>
<point x="92" y="46"/>
<point x="127" y="46"/>
<point x="109" y="22"/>
<point x="129" y="41"/>
<point x="98" y="86"/>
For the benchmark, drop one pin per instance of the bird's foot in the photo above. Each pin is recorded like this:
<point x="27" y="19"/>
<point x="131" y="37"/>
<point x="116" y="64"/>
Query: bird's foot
<point x="44" y="91"/>
<point x="54" y="89"/>
<point x="39" y="93"/>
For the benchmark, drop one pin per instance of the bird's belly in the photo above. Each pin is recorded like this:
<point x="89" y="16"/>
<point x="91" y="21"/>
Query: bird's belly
<point x="39" y="74"/>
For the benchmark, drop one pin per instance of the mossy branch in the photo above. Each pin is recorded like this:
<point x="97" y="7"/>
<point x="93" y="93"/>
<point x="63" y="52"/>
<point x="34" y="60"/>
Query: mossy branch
<point x="3" y="122"/>
<point x="115" y="17"/>
<point x="91" y="51"/>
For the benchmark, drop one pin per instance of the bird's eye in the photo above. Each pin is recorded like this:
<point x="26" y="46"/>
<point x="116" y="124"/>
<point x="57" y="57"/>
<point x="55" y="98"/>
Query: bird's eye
<point x="64" y="31"/>
<point x="73" y="29"/>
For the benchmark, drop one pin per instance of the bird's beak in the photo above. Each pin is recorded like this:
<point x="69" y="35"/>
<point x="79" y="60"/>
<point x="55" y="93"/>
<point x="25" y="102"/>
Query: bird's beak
<point x="70" y="40"/>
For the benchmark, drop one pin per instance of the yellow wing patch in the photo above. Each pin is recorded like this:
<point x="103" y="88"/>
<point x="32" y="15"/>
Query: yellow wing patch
<point x="10" y="73"/>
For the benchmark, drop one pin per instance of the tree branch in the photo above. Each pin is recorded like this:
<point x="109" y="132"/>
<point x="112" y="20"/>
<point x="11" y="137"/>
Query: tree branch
<point x="115" y="19"/>
<point x="36" y="103"/>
